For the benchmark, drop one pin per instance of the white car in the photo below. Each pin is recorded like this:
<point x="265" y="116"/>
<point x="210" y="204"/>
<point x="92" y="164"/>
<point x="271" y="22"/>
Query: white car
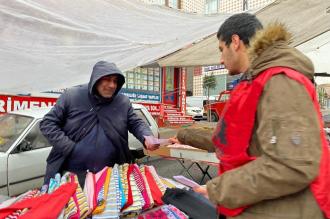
<point x="195" y="112"/>
<point x="24" y="150"/>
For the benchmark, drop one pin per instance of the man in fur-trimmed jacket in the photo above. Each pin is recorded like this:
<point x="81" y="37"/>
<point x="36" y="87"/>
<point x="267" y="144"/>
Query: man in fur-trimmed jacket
<point x="276" y="164"/>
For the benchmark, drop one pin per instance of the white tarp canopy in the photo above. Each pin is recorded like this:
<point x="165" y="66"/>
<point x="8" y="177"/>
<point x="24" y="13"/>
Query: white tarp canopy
<point x="51" y="44"/>
<point x="318" y="50"/>
<point x="304" y="18"/>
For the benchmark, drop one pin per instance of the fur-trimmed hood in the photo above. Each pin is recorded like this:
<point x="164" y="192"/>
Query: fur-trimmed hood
<point x="270" y="48"/>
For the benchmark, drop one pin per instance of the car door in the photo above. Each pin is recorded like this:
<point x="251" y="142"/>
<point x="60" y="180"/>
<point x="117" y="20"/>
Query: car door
<point x="27" y="162"/>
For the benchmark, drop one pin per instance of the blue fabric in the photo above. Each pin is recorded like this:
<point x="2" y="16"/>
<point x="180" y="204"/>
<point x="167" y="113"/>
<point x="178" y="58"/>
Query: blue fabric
<point x="79" y="109"/>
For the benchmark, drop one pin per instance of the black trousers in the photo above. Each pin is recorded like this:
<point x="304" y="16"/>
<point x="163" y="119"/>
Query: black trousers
<point x="221" y="216"/>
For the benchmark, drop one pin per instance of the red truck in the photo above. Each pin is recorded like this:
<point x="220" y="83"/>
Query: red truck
<point x="213" y="109"/>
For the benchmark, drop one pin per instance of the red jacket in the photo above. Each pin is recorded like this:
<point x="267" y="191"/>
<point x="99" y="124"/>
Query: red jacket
<point x="239" y="117"/>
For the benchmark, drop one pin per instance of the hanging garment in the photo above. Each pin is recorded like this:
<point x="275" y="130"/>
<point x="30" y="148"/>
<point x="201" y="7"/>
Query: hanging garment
<point x="113" y="201"/>
<point x="141" y="186"/>
<point x="102" y="196"/>
<point x="77" y="206"/>
<point x="89" y="191"/>
<point x="159" y="182"/>
<point x="47" y="206"/>
<point x="151" y="200"/>
<point x="126" y="188"/>
<point x="193" y="204"/>
<point x="155" y="191"/>
<point x="138" y="201"/>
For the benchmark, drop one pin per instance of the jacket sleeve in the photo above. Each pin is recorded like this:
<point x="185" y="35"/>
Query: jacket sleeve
<point x="200" y="137"/>
<point x="285" y="165"/>
<point x="137" y="126"/>
<point x="51" y="127"/>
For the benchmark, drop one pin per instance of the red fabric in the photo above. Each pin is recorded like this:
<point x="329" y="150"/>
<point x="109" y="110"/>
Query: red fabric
<point x="155" y="191"/>
<point x="239" y="117"/>
<point x="47" y="206"/>
<point x="129" y="201"/>
<point x="141" y="186"/>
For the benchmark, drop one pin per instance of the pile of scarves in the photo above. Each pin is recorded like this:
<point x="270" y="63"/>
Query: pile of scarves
<point x="120" y="191"/>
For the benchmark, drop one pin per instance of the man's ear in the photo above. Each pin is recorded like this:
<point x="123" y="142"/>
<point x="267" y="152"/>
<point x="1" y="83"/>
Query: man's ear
<point x="235" y="39"/>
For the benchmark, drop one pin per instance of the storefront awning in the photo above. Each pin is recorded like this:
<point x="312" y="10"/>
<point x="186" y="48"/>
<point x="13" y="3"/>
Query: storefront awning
<point x="305" y="19"/>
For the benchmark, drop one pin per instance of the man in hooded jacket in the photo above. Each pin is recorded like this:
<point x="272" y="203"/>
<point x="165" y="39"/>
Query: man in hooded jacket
<point x="278" y="167"/>
<point x="88" y="127"/>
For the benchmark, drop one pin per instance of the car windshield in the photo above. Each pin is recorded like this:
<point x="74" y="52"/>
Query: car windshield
<point x="11" y="126"/>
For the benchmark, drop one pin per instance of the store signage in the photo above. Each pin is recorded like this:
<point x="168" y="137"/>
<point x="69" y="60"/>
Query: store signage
<point x="183" y="82"/>
<point x="10" y="103"/>
<point x="213" y="68"/>
<point x="153" y="108"/>
<point x="141" y="95"/>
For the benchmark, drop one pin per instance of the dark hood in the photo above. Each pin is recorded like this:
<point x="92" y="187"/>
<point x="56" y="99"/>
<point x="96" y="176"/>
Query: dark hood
<point x="101" y="69"/>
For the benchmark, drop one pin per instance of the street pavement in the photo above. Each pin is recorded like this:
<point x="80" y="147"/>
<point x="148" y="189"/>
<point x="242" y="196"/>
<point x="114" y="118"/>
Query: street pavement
<point x="170" y="168"/>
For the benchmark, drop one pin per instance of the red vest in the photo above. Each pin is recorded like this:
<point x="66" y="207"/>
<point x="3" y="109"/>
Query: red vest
<point x="235" y="127"/>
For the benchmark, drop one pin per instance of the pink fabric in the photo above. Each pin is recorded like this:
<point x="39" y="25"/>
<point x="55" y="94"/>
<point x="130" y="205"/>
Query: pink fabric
<point x="141" y="186"/>
<point x="89" y="191"/>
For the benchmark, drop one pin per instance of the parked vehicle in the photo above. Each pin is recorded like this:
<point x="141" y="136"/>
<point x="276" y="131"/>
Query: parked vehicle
<point x="213" y="109"/>
<point x="195" y="112"/>
<point x="24" y="150"/>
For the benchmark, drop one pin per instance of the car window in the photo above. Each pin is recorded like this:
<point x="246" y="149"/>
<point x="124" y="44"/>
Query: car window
<point x="140" y="114"/>
<point x="11" y="128"/>
<point x="35" y="138"/>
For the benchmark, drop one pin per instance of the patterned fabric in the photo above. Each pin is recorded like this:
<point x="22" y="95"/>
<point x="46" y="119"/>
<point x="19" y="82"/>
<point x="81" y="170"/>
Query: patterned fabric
<point x="141" y="186"/>
<point x="138" y="201"/>
<point x="103" y="194"/>
<point x="169" y="213"/>
<point x="155" y="191"/>
<point x="127" y="186"/>
<point x="160" y="185"/>
<point x="177" y="212"/>
<point x="77" y="206"/>
<point x="121" y="189"/>
<point x="151" y="200"/>
<point x="113" y="202"/>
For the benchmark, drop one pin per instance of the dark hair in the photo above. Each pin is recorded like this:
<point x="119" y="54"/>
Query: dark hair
<point x="245" y="25"/>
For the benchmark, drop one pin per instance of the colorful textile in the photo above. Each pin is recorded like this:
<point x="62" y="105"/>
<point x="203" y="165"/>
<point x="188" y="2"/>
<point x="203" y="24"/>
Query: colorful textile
<point x="151" y="200"/>
<point x="102" y="197"/>
<point x="160" y="185"/>
<point x="113" y="201"/>
<point x="44" y="206"/>
<point x="138" y="201"/>
<point x="155" y="191"/>
<point x="141" y="186"/>
<point x="89" y="191"/>
<point x="77" y="207"/>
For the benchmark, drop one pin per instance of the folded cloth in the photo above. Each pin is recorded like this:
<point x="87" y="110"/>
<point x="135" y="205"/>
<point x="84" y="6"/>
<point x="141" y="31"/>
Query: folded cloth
<point x="193" y="204"/>
<point x="45" y="206"/>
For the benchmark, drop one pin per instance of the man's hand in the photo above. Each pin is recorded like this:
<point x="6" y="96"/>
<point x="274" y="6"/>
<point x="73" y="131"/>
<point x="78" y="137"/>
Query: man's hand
<point x="201" y="190"/>
<point x="149" y="146"/>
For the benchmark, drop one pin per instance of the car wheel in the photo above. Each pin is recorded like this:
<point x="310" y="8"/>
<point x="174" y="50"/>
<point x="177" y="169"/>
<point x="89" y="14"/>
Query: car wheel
<point x="214" y="117"/>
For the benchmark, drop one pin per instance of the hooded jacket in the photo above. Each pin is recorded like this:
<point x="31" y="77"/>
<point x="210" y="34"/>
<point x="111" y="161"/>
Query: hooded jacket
<point x="79" y="109"/>
<point x="276" y="184"/>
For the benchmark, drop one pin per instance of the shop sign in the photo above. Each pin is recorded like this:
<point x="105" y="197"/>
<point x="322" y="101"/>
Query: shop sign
<point x="10" y="103"/>
<point x="141" y="95"/>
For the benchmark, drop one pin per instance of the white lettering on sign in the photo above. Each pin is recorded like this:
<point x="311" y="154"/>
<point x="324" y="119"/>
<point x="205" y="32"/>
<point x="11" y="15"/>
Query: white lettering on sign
<point x="2" y="108"/>
<point x="34" y="104"/>
<point x="9" y="104"/>
<point x="20" y="106"/>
